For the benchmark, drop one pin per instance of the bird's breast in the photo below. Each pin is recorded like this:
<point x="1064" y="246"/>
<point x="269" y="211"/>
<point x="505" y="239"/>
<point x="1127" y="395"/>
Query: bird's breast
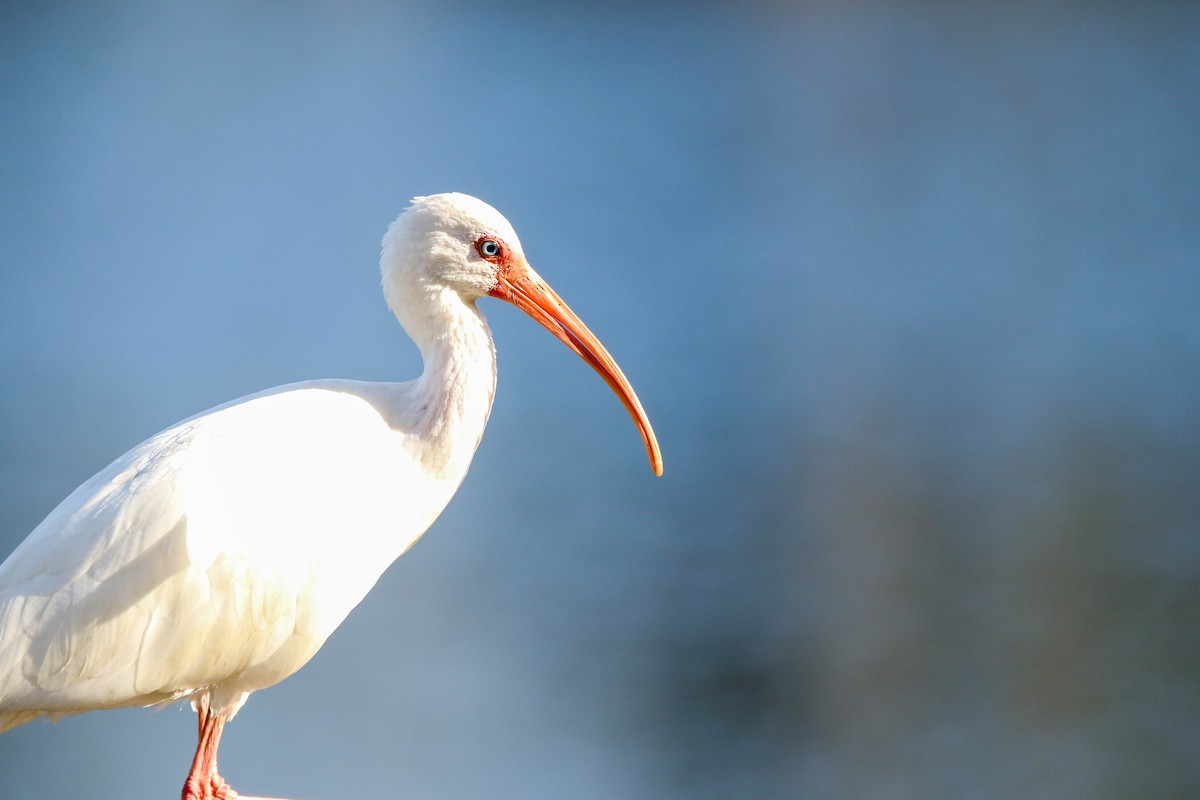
<point x="312" y="490"/>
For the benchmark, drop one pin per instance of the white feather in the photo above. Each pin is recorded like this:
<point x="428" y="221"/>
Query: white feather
<point x="216" y="557"/>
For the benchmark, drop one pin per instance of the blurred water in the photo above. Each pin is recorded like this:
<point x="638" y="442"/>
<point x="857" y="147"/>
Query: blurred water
<point x="910" y="294"/>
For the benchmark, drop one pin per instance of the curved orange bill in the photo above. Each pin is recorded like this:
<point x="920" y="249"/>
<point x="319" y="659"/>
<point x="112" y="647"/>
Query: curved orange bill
<point x="520" y="285"/>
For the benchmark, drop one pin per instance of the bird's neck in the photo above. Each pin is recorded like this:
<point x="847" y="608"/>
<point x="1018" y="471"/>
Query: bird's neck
<point x="452" y="399"/>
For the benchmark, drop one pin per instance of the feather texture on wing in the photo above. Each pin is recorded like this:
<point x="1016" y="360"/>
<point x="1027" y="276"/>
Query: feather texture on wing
<point x="215" y="557"/>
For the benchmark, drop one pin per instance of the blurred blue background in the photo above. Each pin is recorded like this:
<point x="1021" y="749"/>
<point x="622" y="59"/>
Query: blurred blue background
<point x="910" y="292"/>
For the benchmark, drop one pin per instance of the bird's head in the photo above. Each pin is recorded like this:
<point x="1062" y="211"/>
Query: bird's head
<point x="452" y="241"/>
<point x="458" y="243"/>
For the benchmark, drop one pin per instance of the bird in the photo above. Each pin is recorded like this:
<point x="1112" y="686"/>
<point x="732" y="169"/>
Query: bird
<point x="215" y="558"/>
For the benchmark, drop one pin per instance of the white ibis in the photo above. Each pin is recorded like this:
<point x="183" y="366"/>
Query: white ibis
<point x="215" y="558"/>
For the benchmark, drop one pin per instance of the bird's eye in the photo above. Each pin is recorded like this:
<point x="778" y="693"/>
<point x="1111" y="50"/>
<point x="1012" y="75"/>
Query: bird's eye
<point x="488" y="248"/>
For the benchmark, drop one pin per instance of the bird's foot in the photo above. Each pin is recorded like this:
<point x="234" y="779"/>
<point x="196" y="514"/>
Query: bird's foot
<point x="212" y="788"/>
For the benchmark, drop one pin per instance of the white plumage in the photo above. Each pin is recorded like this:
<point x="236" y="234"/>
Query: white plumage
<point x="216" y="557"/>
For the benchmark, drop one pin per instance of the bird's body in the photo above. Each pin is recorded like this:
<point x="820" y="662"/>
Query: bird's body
<point x="215" y="558"/>
<point x="227" y="534"/>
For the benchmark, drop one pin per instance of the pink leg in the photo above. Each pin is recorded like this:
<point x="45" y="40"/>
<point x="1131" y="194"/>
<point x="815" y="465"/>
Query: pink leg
<point x="203" y="782"/>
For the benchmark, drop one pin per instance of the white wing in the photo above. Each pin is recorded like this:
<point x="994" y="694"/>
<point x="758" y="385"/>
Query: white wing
<point x="217" y="555"/>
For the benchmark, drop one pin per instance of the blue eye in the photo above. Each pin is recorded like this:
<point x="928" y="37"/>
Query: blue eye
<point x="488" y="248"/>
